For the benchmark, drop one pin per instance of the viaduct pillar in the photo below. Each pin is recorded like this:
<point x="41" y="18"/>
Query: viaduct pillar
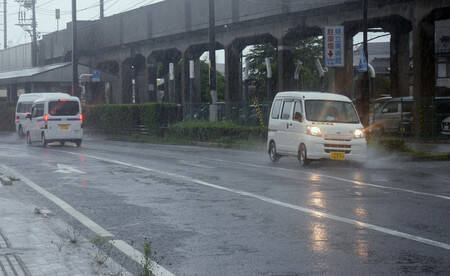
<point x="152" y="71"/>
<point x="286" y="67"/>
<point x="399" y="63"/>
<point x="424" y="74"/>
<point x="233" y="78"/>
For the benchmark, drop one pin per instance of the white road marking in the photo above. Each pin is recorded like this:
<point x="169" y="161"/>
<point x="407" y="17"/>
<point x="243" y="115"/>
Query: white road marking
<point x="139" y="257"/>
<point x="67" y="169"/>
<point x="192" y="164"/>
<point x="276" y="202"/>
<point x="94" y="227"/>
<point x="360" y="183"/>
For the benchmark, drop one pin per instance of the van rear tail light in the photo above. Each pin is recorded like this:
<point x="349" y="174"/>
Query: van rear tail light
<point x="81" y="120"/>
<point x="46" y="117"/>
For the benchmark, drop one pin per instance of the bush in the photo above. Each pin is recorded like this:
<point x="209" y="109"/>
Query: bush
<point x="393" y="144"/>
<point x="7" y="115"/>
<point x="124" y="118"/>
<point x="212" y="131"/>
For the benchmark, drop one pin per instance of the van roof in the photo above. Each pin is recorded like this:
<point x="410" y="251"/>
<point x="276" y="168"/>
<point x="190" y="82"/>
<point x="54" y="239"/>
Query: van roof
<point x="35" y="96"/>
<point x="56" y="97"/>
<point x="312" y="95"/>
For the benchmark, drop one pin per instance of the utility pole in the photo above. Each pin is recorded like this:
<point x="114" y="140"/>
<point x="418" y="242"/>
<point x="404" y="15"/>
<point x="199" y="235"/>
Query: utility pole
<point x="102" y="9"/>
<point x="75" y="87"/>
<point x="365" y="97"/>
<point x="34" y="34"/>
<point x="212" y="59"/>
<point x="5" y="24"/>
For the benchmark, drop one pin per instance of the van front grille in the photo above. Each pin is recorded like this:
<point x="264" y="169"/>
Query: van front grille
<point x="337" y="150"/>
<point x="338" y="146"/>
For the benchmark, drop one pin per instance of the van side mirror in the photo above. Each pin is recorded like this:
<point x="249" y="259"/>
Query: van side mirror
<point x="385" y="110"/>
<point x="298" y="117"/>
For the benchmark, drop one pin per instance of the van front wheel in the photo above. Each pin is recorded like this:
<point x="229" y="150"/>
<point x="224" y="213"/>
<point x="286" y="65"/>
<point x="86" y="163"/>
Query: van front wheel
<point x="274" y="156"/>
<point x="78" y="143"/>
<point x="20" y="132"/>
<point x="303" y="156"/>
<point x="43" y="140"/>
<point x="29" y="139"/>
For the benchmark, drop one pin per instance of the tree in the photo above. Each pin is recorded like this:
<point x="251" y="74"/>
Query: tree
<point x="257" y="68"/>
<point x="204" y="78"/>
<point x="305" y="50"/>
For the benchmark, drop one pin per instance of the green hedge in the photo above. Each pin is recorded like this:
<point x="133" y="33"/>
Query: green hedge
<point x="7" y="114"/>
<point x="211" y="131"/>
<point x="123" y="118"/>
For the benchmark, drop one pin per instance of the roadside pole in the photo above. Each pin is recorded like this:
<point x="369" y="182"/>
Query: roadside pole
<point x="171" y="83"/>
<point x="34" y="34"/>
<point x="212" y="59"/>
<point x="269" y="79"/>
<point x="102" y="9"/>
<point x="191" y="87"/>
<point x="5" y="24"/>
<point x="365" y="91"/>
<point x="75" y="86"/>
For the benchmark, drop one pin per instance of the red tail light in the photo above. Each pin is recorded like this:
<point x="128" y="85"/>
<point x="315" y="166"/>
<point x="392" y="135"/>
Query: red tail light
<point x="17" y="118"/>
<point x="46" y="117"/>
<point x="81" y="117"/>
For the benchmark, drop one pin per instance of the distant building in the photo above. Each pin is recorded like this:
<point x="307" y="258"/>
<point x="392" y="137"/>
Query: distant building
<point x="443" y="57"/>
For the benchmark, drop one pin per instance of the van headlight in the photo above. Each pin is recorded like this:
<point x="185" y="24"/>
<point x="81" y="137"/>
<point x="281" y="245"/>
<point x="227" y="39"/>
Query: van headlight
<point x="313" y="130"/>
<point x="358" y="133"/>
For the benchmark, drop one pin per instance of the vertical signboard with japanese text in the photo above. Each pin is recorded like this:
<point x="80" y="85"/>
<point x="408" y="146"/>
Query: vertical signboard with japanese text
<point x="334" y="46"/>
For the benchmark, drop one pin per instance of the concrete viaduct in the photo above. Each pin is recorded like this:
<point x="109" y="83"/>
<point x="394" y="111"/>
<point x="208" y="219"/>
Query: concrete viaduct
<point x="176" y="31"/>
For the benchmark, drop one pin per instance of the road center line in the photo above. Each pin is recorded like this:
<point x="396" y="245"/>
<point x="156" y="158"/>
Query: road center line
<point x="91" y="225"/>
<point x="360" y="183"/>
<point x="274" y="202"/>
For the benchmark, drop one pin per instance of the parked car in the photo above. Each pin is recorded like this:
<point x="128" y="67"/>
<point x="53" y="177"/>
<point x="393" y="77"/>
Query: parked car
<point x="394" y="115"/>
<point x="443" y="113"/>
<point x="315" y="125"/>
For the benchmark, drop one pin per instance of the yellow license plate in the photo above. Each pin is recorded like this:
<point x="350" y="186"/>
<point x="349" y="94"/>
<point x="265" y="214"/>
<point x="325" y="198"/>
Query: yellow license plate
<point x="337" y="156"/>
<point x="64" y="127"/>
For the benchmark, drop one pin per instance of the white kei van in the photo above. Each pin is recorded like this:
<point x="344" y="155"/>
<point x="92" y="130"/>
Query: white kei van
<point x="55" y="117"/>
<point x="315" y="125"/>
<point x="23" y="108"/>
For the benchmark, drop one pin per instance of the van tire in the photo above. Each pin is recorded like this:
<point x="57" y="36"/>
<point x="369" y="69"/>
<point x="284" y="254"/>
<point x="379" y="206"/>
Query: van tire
<point x="273" y="155"/>
<point x="29" y="142"/>
<point x="303" y="156"/>
<point x="78" y="143"/>
<point x="43" y="140"/>
<point x="20" y="132"/>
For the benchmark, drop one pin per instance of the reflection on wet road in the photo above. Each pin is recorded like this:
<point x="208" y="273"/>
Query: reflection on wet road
<point x="224" y="212"/>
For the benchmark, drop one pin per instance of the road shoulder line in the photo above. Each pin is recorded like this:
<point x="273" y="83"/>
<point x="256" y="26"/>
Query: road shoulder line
<point x="91" y="225"/>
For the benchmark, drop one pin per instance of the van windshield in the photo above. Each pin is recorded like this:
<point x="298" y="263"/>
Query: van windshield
<point x="61" y="108"/>
<point x="330" y="111"/>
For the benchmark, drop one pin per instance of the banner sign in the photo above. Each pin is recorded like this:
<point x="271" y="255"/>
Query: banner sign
<point x="334" y="46"/>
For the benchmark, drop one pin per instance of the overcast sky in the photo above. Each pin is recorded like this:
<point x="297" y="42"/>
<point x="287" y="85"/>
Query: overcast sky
<point x="45" y="13"/>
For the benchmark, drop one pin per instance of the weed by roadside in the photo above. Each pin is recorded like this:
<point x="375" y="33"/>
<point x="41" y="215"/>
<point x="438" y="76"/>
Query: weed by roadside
<point x="73" y="234"/>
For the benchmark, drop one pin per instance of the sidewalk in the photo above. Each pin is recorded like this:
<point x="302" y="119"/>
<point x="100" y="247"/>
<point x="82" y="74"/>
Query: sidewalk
<point x="432" y="148"/>
<point x="34" y="242"/>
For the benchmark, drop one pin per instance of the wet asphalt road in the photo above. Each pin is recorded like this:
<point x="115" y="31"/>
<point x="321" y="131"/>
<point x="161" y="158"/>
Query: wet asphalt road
<point x="225" y="212"/>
